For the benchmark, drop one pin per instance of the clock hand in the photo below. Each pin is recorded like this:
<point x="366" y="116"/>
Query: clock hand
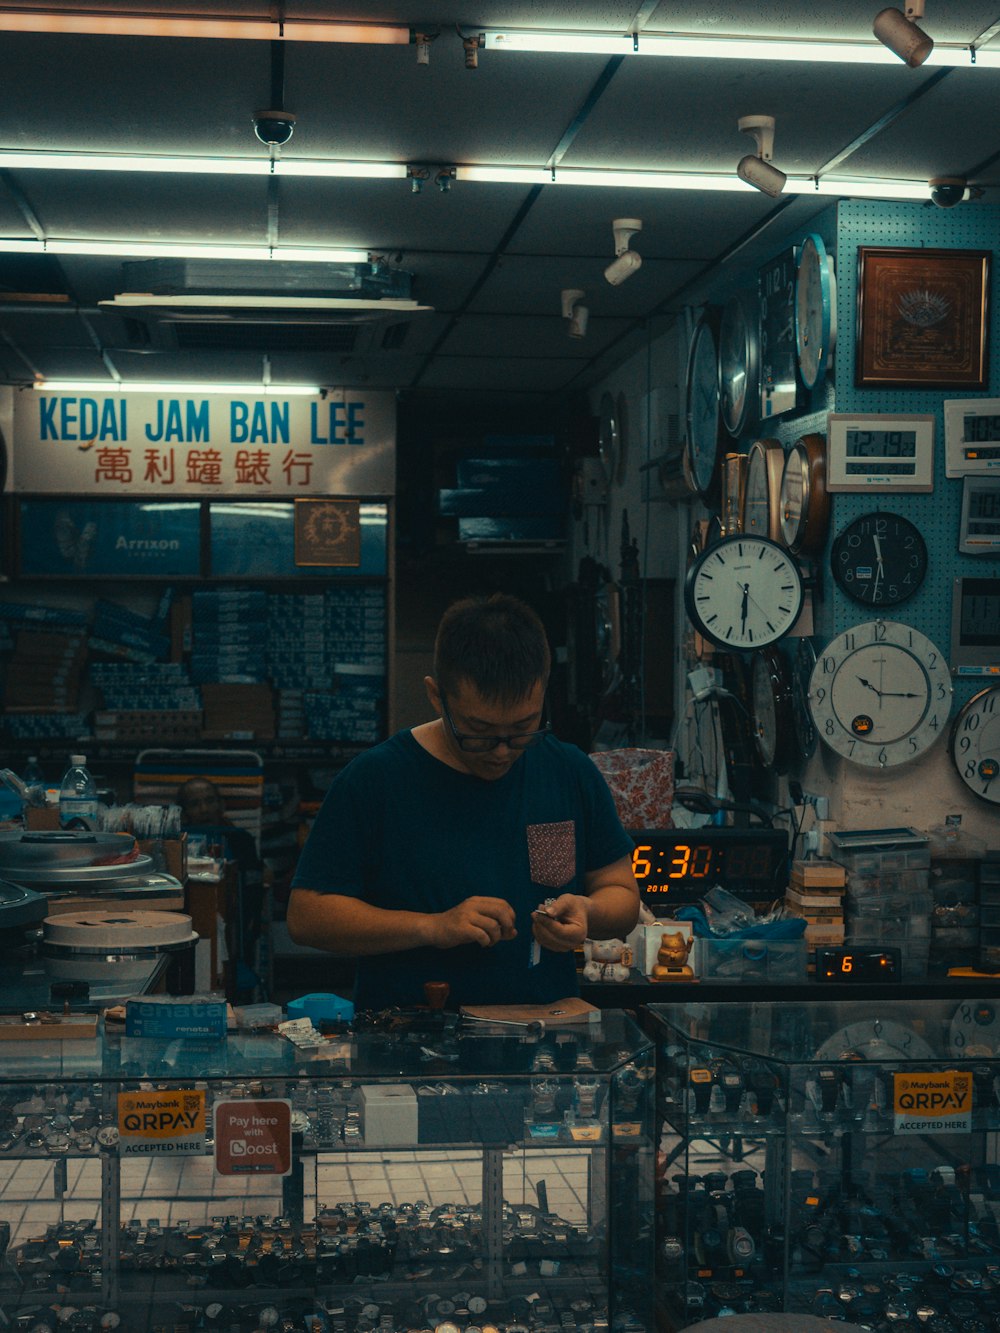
<point x="880" y="572"/>
<point x="894" y="694"/>
<point x="743" y="605"/>
<point x="869" y="686"/>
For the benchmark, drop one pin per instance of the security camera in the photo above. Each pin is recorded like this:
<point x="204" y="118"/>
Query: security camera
<point x="627" y="262"/>
<point x="947" y="191"/>
<point x="900" y="34"/>
<point x="763" y="176"/>
<point x="273" y="127"/>
<point x="757" y="169"/>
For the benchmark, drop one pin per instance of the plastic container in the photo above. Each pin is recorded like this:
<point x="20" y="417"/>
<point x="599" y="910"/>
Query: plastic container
<point x="33" y="775"/>
<point x="78" y="795"/>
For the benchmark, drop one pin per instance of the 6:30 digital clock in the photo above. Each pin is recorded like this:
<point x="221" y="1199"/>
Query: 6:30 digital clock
<point x="677" y="866"/>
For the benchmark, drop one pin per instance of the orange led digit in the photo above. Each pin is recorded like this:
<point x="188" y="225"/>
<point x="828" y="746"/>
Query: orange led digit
<point x="641" y="866"/>
<point x="681" y="859"/>
<point x="701" y="862"/>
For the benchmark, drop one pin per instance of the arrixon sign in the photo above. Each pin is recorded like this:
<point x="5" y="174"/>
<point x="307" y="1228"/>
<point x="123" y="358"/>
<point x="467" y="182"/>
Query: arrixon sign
<point x="341" y="442"/>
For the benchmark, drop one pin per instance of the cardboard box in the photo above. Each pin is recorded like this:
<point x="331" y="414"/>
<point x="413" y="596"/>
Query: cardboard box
<point x="645" y="941"/>
<point x="389" y="1115"/>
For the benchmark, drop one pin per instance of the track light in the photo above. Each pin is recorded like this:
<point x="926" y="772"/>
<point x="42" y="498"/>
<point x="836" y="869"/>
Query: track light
<point x="572" y="310"/>
<point x="899" y="32"/>
<point x="422" y="41"/>
<point x="444" y="179"/>
<point x="758" y="170"/>
<point x="471" y="45"/>
<point x="416" y="176"/>
<point x="627" y="262"/>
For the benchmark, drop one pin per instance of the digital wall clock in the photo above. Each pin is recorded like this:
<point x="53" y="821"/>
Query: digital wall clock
<point x="971" y="436"/>
<point x="975" y="627"/>
<point x="975" y="744"/>
<point x="856" y="964"/>
<point x="880" y="694"/>
<point x="979" y="525"/>
<point x="879" y="451"/>
<point x="676" y="866"/>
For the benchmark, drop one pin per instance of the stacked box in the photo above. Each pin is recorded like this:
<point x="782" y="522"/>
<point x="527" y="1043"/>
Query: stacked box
<point x="291" y="724"/>
<point x="146" y="703"/>
<point x="297" y="654"/>
<point x="954" y="883"/>
<point x="816" y="894"/>
<point x="115" y="624"/>
<point x="45" y="726"/>
<point x="44" y="671"/>
<point x="888" y="892"/>
<point x="989" y="910"/>
<point x="351" y="713"/>
<point x="228" y="632"/>
<point x="238" y="712"/>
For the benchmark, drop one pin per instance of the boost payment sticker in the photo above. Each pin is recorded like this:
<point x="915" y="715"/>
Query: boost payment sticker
<point x="932" y="1103"/>
<point x="161" y="1122"/>
<point x="253" y="1138"/>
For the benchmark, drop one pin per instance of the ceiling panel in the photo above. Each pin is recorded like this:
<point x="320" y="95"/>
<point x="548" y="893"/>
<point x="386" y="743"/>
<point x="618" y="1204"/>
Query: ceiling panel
<point x="532" y="285"/>
<point x="959" y="21"/>
<point x="510" y="336"/>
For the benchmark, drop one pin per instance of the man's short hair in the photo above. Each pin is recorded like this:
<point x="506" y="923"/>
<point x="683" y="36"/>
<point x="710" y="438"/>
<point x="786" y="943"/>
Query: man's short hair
<point x="497" y="644"/>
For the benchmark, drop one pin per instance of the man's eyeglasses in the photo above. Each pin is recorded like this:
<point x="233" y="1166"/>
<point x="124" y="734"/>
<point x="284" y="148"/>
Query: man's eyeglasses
<point x="522" y="740"/>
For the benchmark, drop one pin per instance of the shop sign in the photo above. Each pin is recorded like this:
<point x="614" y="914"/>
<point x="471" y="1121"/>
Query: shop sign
<point x="938" y="1103"/>
<point x="170" y="1123"/>
<point x="253" y="1138"/>
<point x="341" y="442"/>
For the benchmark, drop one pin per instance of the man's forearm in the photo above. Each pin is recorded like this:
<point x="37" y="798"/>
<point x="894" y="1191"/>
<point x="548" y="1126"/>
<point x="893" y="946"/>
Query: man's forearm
<point x="612" y="911"/>
<point x="352" y="928"/>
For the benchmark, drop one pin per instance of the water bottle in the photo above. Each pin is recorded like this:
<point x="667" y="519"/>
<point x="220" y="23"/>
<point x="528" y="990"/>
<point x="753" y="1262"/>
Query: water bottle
<point x="78" y="795"/>
<point x="33" y="775"/>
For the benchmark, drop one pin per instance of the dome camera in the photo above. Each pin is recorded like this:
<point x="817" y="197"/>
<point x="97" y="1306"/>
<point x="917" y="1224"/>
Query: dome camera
<point x="273" y="127"/>
<point x="947" y="191"/>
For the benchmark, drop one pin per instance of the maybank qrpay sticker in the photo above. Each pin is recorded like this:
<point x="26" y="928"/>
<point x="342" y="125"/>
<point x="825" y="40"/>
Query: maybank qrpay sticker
<point x="939" y="1103"/>
<point x="161" y="1122"/>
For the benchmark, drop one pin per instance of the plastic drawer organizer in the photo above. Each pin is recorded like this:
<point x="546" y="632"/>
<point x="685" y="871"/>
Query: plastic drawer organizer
<point x="833" y="1158"/>
<point x="423" y="1174"/>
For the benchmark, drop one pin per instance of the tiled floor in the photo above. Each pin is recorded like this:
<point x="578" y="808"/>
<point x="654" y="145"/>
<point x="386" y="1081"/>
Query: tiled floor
<point x="190" y="1190"/>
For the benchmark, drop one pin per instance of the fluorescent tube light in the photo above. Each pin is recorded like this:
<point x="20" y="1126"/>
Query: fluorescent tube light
<point x="209" y="166"/>
<point x="700" y="47"/>
<point x="183" y="250"/>
<point x="121" y="24"/>
<point x="161" y="386"/>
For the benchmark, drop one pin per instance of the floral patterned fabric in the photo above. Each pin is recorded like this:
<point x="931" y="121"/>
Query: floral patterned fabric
<point x="642" y="784"/>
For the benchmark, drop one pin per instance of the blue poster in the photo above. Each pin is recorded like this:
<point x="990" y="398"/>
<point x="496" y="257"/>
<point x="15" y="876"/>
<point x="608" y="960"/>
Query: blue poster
<point x="110" y="539"/>
<point x="258" y="541"/>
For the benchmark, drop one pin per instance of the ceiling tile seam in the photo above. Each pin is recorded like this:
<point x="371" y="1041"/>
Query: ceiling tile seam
<point x="581" y="117"/>
<point x="23" y="204"/>
<point x="883" y="122"/>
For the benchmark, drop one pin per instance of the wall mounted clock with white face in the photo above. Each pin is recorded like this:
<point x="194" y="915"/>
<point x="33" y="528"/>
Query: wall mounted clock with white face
<point x="815" y="310"/>
<point x="762" y="489"/>
<point x="702" y="410"/>
<point x="771" y="708"/>
<point x="743" y="592"/>
<point x="880" y="693"/>
<point x="739" y="365"/>
<point x="975" y="744"/>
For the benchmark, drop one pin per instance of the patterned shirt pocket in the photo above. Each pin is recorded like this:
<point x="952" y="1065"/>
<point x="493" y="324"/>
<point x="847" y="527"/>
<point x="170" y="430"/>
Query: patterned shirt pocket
<point x="552" y="853"/>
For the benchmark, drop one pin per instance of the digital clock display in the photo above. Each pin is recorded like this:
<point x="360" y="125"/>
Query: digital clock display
<point x="679" y="866"/>
<point x="881" y="443"/>
<point x="981" y="618"/>
<point x="847" y="964"/>
<point x="984" y="504"/>
<point x="980" y="429"/>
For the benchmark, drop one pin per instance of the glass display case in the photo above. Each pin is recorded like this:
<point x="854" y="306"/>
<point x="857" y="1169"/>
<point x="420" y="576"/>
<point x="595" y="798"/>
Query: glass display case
<point x="427" y="1172"/>
<point x="838" y="1158"/>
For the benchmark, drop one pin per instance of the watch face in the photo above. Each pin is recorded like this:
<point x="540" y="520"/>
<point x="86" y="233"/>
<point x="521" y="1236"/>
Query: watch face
<point x="815" y="311"/>
<point x="607" y="438"/>
<point x="738" y="365"/>
<point x="762" y="489"/>
<point x="770" y="693"/>
<point x="975" y="744"/>
<point x="880" y="693"/>
<point x="805" y="505"/>
<point x="743" y="592"/>
<point x="879" y="559"/>
<point x="805" y="729"/>
<point x="702" y="409"/>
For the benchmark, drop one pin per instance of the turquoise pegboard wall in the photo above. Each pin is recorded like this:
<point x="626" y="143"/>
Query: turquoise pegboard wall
<point x="968" y="227"/>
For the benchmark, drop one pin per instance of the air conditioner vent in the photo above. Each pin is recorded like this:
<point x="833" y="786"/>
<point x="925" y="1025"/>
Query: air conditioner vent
<point x="258" y="336"/>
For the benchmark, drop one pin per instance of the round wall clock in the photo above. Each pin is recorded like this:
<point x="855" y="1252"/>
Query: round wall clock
<point x="701" y="447"/>
<point x="743" y="592"/>
<point x="739" y="364"/>
<point x="974" y="744"/>
<point x="974" y="1033"/>
<point x="762" y="489"/>
<point x="879" y="559"/>
<point x="803" y="662"/>
<point x="875" y="1039"/>
<point x="880" y="693"/>
<point x="607" y="436"/>
<point x="770" y="709"/>
<point x="805" y="504"/>
<point x="815" y="310"/>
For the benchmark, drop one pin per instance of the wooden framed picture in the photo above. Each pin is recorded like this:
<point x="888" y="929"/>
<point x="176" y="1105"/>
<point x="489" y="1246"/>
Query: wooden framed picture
<point x="923" y="318"/>
<point x="327" y="532"/>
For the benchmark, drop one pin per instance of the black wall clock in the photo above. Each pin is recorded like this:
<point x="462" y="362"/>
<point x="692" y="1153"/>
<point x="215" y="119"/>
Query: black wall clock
<point x="778" y="362"/>
<point x="879" y="559"/>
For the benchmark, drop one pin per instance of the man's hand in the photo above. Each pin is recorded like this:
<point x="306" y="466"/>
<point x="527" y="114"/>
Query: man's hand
<point x="483" y="921"/>
<point x="562" y="924"/>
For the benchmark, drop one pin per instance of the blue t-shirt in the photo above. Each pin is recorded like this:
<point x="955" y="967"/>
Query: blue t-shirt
<point x="406" y="832"/>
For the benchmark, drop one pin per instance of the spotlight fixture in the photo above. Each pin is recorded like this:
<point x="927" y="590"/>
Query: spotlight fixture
<point x="576" y="313"/>
<point x="444" y="179"/>
<point x="416" y="176"/>
<point x="422" y="41"/>
<point x="898" y="31"/>
<point x="627" y="261"/>
<point x="757" y="169"/>
<point x="273" y="128"/>
<point x="471" y="45"/>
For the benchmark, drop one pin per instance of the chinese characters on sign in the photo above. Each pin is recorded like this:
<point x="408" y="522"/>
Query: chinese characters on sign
<point x="218" y="444"/>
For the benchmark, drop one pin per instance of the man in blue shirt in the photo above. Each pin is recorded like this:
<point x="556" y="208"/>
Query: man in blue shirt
<point x="476" y="849"/>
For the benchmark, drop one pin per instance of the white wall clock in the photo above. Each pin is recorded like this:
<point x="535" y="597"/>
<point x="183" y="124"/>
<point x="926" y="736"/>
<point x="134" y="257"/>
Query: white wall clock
<point x="743" y="592"/>
<point x="880" y="693"/>
<point x="815" y="310"/>
<point x="975" y="744"/>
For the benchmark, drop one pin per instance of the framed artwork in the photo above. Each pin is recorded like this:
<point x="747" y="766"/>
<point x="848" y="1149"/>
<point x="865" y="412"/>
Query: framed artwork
<point x="923" y="318"/>
<point x="327" y="532"/>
